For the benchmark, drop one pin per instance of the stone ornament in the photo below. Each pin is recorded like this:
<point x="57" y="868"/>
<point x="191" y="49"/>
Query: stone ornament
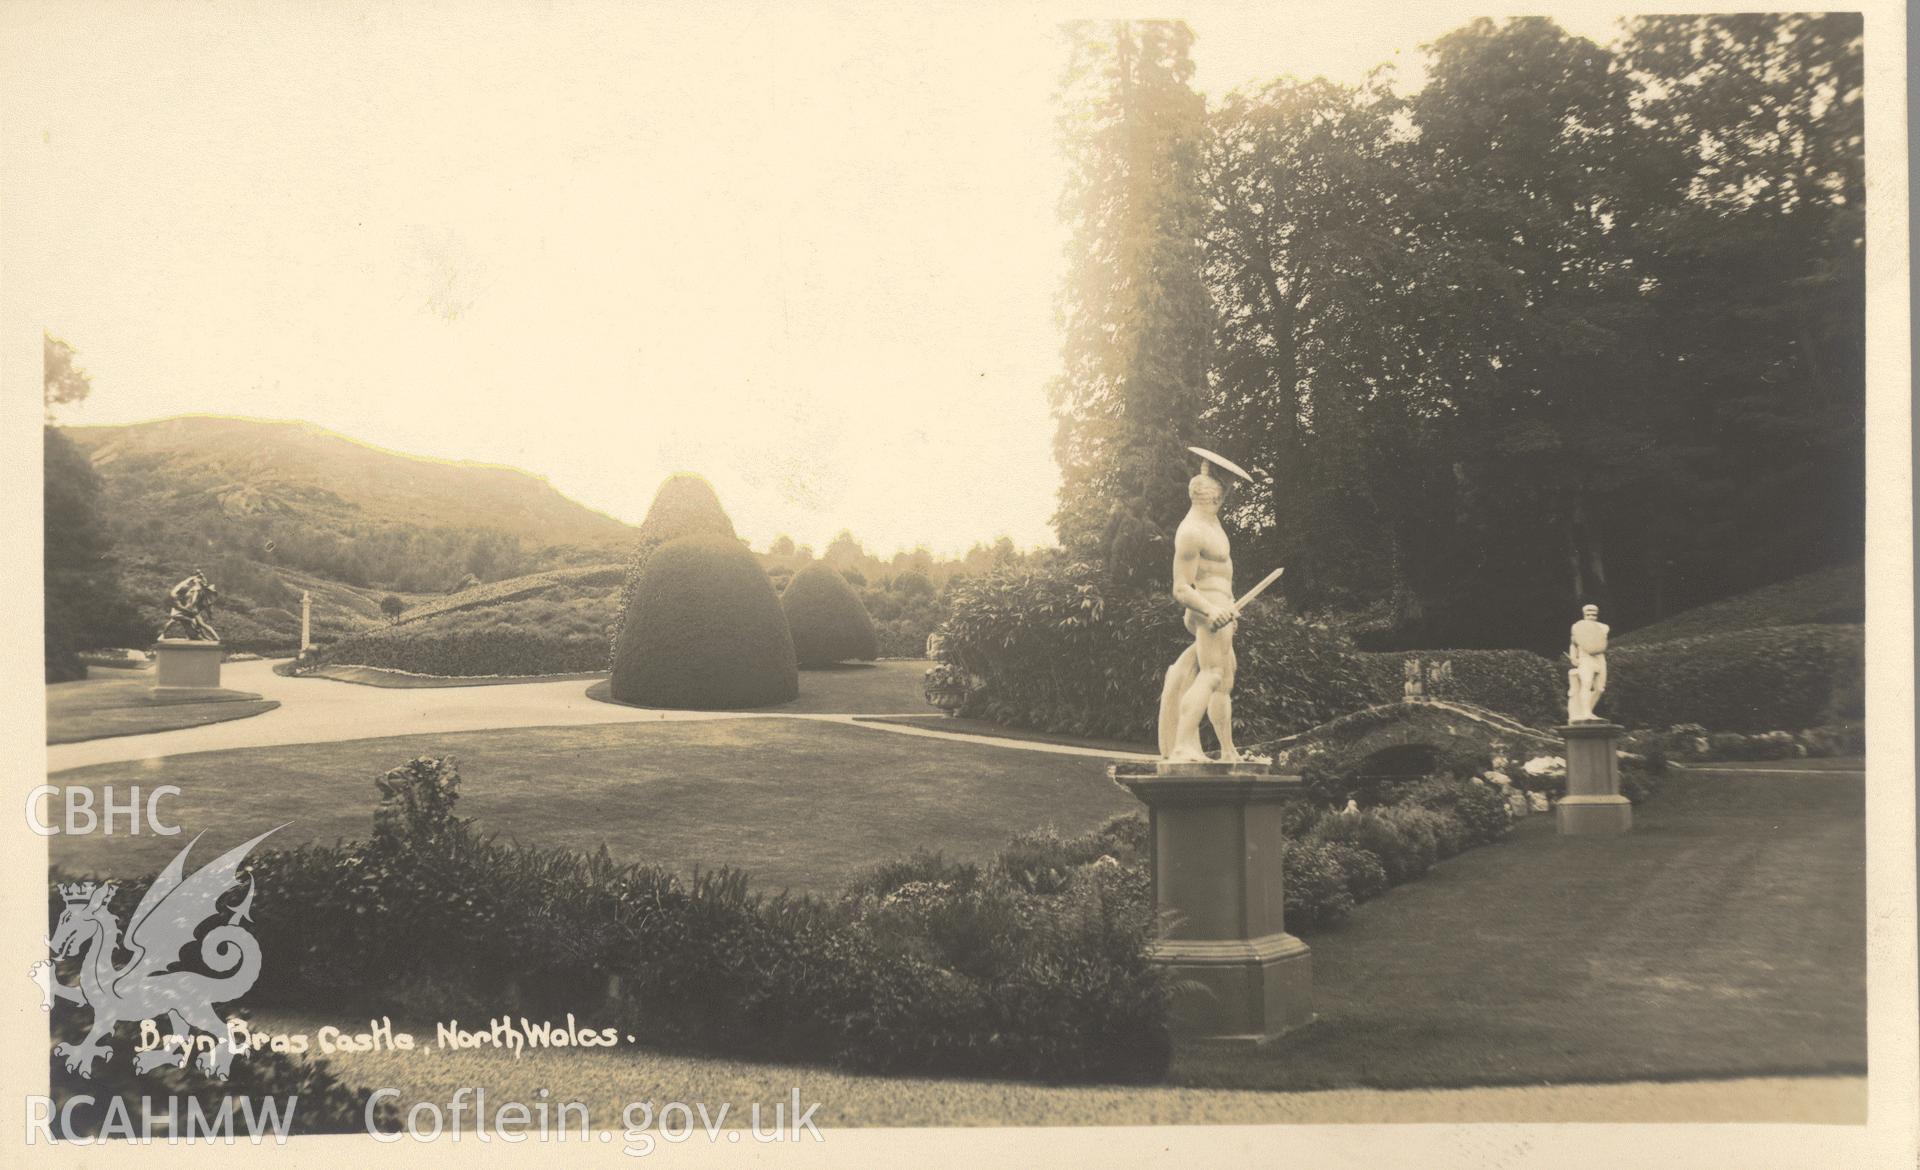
<point x="1587" y="656"/>
<point x="1200" y="682"/>
<point x="189" y="608"/>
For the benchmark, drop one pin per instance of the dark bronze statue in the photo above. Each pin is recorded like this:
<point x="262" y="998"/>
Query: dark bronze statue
<point x="189" y="607"/>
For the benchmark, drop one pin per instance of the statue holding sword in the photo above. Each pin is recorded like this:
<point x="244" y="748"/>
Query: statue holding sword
<point x="1200" y="681"/>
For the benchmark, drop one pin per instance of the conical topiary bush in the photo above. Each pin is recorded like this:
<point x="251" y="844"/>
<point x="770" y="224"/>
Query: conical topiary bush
<point x="826" y="618"/>
<point x="685" y="505"/>
<point x="704" y="631"/>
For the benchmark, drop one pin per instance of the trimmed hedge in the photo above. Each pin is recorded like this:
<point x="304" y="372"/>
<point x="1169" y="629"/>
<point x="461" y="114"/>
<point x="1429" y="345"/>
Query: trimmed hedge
<point x="471" y="652"/>
<point x="704" y="631"/>
<point x="1519" y="683"/>
<point x="1062" y="650"/>
<point x="826" y="618"/>
<point x="685" y="505"/>
<point x="1778" y="678"/>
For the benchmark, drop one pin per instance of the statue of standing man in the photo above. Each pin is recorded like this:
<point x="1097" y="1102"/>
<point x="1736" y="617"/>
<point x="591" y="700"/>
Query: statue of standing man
<point x="1200" y="681"/>
<point x="1587" y="654"/>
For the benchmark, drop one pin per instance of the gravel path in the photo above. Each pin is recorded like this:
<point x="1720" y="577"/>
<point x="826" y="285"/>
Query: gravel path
<point x="325" y="711"/>
<point x="605" y="1081"/>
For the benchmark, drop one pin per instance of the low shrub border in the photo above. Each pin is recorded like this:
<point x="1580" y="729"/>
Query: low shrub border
<point x="983" y="970"/>
<point x="1034" y="964"/>
<point x="1691" y="741"/>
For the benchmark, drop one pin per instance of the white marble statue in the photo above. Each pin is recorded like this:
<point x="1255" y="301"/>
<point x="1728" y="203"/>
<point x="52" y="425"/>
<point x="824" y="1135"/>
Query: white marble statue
<point x="1200" y="681"/>
<point x="1587" y="654"/>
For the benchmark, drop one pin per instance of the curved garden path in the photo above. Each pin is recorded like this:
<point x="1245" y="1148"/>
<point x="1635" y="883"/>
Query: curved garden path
<point x="324" y="711"/>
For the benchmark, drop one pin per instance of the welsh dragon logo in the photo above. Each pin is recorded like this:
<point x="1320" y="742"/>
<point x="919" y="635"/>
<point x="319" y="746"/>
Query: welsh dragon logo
<point x="151" y="985"/>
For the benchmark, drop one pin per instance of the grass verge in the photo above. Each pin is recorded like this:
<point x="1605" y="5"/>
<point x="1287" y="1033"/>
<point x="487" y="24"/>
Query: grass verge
<point x="800" y="804"/>
<point x="101" y="708"/>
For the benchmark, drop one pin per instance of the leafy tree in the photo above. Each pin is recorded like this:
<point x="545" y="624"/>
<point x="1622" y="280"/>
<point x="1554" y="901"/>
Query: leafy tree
<point x="86" y="604"/>
<point x="65" y="382"/>
<point x="1135" y="309"/>
<point x="1568" y="323"/>
<point x="1314" y="373"/>
<point x="843" y="551"/>
<point x="392" y="606"/>
<point x="1760" y="289"/>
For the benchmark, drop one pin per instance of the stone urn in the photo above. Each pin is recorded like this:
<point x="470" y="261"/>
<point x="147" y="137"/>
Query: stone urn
<point x="946" y="687"/>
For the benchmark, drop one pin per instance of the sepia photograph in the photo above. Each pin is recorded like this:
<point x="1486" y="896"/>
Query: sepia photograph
<point x="986" y="584"/>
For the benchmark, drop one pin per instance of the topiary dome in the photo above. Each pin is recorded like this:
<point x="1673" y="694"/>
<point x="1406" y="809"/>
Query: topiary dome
<point x="826" y="618"/>
<point x="704" y="631"/>
<point x="685" y="505"/>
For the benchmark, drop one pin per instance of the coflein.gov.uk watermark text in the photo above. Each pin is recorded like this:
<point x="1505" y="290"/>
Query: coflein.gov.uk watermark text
<point x="643" y="1124"/>
<point x="467" y="1115"/>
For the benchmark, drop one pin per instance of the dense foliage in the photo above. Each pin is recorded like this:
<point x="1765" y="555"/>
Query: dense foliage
<point x="905" y="610"/>
<point x="1064" y="650"/>
<point x="685" y="505"/>
<point x="1784" y="677"/>
<point x="1568" y="322"/>
<point x="826" y="618"/>
<point x="87" y="606"/>
<point x="704" y="630"/>
<point x="1138" y="324"/>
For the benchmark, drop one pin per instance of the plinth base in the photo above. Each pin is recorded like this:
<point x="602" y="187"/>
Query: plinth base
<point x="1247" y="767"/>
<point x="1592" y="816"/>
<point x="178" y="662"/>
<point x="1593" y="805"/>
<point x="1219" y="843"/>
<point x="1238" y="993"/>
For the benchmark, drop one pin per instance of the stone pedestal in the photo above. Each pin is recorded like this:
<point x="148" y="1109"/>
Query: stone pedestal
<point x="1593" y="805"/>
<point x="1218" y="844"/>
<point x="179" y="662"/>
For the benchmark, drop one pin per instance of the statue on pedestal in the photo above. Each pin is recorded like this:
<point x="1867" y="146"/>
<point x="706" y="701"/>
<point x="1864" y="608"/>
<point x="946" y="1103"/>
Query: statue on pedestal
<point x="1200" y="681"/>
<point x="189" y="608"/>
<point x="1587" y="656"/>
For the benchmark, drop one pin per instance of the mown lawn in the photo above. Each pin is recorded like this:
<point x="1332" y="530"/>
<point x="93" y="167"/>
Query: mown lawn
<point x="799" y="804"/>
<point x="887" y="687"/>
<point x="1726" y="935"/>
<point x="124" y="703"/>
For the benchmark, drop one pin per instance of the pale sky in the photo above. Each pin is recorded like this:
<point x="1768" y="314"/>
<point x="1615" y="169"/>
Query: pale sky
<point x="810" y="252"/>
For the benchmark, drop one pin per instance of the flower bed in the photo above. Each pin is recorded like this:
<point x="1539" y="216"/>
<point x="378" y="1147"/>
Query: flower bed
<point x="1691" y="741"/>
